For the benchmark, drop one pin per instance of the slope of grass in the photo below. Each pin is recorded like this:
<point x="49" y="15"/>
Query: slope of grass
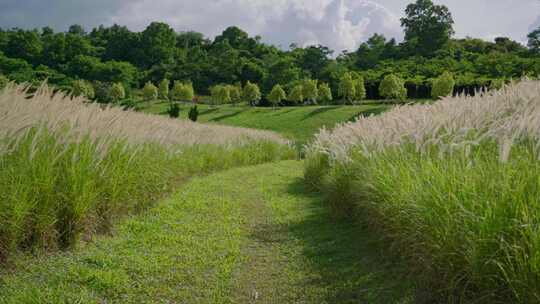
<point x="295" y="123"/>
<point x="248" y="235"/>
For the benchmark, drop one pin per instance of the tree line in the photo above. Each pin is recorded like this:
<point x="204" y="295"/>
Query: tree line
<point x="108" y="58"/>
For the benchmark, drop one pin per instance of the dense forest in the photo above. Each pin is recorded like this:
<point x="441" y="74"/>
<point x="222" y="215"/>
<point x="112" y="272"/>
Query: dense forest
<point x="108" y="55"/>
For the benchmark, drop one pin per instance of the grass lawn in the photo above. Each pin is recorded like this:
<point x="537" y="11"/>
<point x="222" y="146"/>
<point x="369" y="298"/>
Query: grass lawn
<point x="248" y="235"/>
<point x="296" y="123"/>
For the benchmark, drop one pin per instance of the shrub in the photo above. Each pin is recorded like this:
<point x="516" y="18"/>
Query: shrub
<point x="174" y="110"/>
<point x="393" y="87"/>
<point x="193" y="113"/>
<point x="251" y="93"/>
<point x="325" y="93"/>
<point x="164" y="89"/>
<point x="220" y="94"/>
<point x="3" y="81"/>
<point x="276" y="95"/>
<point x="235" y="91"/>
<point x="359" y="88"/>
<point x="443" y="85"/>
<point x="496" y="84"/>
<point x="150" y="92"/>
<point x="117" y="92"/>
<point x="296" y="94"/>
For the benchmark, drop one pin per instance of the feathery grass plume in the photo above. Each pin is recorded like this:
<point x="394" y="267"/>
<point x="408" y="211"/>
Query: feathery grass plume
<point x="69" y="168"/>
<point x="452" y="186"/>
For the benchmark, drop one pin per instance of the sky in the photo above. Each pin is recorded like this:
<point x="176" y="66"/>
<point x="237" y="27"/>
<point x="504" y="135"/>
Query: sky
<point x="338" y="24"/>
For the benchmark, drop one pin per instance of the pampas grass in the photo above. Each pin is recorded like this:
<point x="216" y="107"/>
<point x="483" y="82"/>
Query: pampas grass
<point x="452" y="188"/>
<point x="69" y="168"/>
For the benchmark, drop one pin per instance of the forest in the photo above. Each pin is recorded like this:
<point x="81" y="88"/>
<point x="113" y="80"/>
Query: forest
<point x="107" y="55"/>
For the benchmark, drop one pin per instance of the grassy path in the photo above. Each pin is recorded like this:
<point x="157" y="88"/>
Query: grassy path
<point x="248" y="235"/>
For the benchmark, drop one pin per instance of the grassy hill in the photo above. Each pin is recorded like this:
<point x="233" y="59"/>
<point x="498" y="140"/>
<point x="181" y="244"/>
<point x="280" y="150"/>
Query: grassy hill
<point x="296" y="123"/>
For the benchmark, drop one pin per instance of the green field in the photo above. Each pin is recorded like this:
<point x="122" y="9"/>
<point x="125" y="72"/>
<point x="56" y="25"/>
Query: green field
<point x="295" y="123"/>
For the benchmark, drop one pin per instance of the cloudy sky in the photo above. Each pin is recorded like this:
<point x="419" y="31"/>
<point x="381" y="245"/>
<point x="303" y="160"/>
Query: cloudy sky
<point x="339" y="24"/>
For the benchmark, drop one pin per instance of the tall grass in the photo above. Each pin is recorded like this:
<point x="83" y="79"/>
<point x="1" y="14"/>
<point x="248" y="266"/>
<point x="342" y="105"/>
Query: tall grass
<point x="69" y="169"/>
<point x="453" y="188"/>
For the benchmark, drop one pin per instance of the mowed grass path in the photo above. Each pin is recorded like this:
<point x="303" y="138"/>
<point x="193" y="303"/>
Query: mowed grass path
<point x="248" y="235"/>
<point x="295" y="123"/>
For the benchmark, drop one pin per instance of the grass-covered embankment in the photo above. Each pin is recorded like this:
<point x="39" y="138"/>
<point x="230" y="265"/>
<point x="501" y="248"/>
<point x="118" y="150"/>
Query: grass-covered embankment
<point x="247" y="235"/>
<point x="70" y="169"/>
<point x="452" y="187"/>
<point x="295" y="123"/>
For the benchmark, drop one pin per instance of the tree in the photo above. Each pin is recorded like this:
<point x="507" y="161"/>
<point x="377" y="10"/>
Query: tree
<point x="428" y="27"/>
<point x="310" y="91"/>
<point x="150" y="92"/>
<point x="236" y="93"/>
<point x="83" y="88"/>
<point x="276" y="95"/>
<point x="359" y="88"/>
<point x="26" y="45"/>
<point x="251" y="93"/>
<point x="325" y="93"/>
<point x="164" y="88"/>
<point x="534" y="41"/>
<point x="296" y="94"/>
<point x="157" y="44"/>
<point x="393" y="87"/>
<point x="220" y="94"/>
<point x="117" y="92"/>
<point x="193" y="113"/>
<point x="182" y="91"/>
<point x="443" y="85"/>
<point x="347" y="88"/>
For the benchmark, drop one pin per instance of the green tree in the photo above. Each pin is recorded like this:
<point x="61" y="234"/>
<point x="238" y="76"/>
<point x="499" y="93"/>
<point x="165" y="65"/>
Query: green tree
<point x="443" y="85"/>
<point x="393" y="87"/>
<point x="359" y="88"/>
<point x="220" y="94"/>
<point x="236" y="93"/>
<point x="183" y="92"/>
<point x="325" y="93"/>
<point x="428" y="27"/>
<point x="83" y="88"/>
<point x="117" y="92"/>
<point x="164" y="88"/>
<point x="276" y="95"/>
<point x="251" y="93"/>
<point x="310" y="91"/>
<point x="296" y="94"/>
<point x="347" y="88"/>
<point x="157" y="44"/>
<point x="150" y="91"/>
<point x="534" y="41"/>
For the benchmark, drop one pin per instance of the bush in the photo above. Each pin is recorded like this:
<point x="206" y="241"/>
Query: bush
<point x="164" y="89"/>
<point x="359" y="88"/>
<point x="150" y="92"/>
<point x="276" y="95"/>
<point x="393" y="87"/>
<point x="443" y="85"/>
<point x="83" y="88"/>
<point x="296" y="94"/>
<point x="174" y="110"/>
<point x="193" y="113"/>
<point x="220" y="94"/>
<point x="182" y="92"/>
<point x="496" y="84"/>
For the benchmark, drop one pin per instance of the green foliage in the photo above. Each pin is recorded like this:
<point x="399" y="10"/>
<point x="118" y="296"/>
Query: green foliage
<point x="428" y="27"/>
<point x="150" y="91"/>
<point x="235" y="91"/>
<point x="220" y="94"/>
<point x="174" y="110"/>
<point x="251" y="93"/>
<point x="310" y="91"/>
<point x="393" y="87"/>
<point x="164" y="88"/>
<point x="534" y="41"/>
<point x="497" y="84"/>
<point x="83" y="88"/>
<point x="277" y="95"/>
<point x="325" y="93"/>
<point x="182" y="91"/>
<point x="359" y="88"/>
<point x="117" y="92"/>
<point x="443" y="85"/>
<point x="3" y="81"/>
<point x="193" y="113"/>
<point x="296" y="94"/>
<point x="347" y="87"/>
